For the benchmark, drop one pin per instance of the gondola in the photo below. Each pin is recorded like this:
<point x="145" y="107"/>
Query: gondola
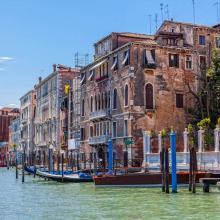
<point x="75" y="177"/>
<point x="30" y="169"/>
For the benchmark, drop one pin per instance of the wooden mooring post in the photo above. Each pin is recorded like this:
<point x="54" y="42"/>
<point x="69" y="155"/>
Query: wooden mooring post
<point x="192" y="170"/>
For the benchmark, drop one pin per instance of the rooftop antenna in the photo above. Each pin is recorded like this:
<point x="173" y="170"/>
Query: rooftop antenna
<point x="156" y="21"/>
<point x="150" y="17"/>
<point x="194" y="12"/>
<point x="217" y="8"/>
<point x="167" y="11"/>
<point x="161" y="9"/>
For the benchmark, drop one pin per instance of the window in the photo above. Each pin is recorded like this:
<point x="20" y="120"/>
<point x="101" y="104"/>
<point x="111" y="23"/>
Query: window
<point x="44" y="91"/>
<point x="125" y="128"/>
<point x="82" y="134"/>
<point x="114" y="63"/>
<point x="188" y="62"/>
<point x="149" y="102"/>
<point x="126" y="58"/>
<point x="201" y="40"/>
<point x="115" y="99"/>
<point x="202" y="61"/>
<point x="149" y="58"/>
<point x="106" y="100"/>
<point x="91" y="104"/>
<point x="126" y="95"/>
<point x="174" y="60"/>
<point x="179" y="100"/>
<point x="83" y="108"/>
<point x="96" y="103"/>
<point x="114" y="129"/>
<point x="83" y="78"/>
<point x="103" y="101"/>
<point x="99" y="102"/>
<point x="91" y="131"/>
<point x="217" y="42"/>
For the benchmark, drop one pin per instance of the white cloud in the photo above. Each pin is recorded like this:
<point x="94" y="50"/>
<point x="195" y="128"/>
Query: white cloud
<point x="6" y="59"/>
<point x="12" y="105"/>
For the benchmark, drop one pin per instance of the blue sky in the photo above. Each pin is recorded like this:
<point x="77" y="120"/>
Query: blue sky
<point x="38" y="33"/>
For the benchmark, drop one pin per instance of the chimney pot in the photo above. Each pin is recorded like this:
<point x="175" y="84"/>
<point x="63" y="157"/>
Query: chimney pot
<point x="54" y="67"/>
<point x="40" y="79"/>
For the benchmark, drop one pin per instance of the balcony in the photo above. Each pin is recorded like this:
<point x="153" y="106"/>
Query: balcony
<point x="103" y="139"/>
<point x="100" y="114"/>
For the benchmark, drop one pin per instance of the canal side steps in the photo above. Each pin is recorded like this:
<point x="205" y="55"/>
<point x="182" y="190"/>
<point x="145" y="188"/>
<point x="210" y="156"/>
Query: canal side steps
<point x="206" y="182"/>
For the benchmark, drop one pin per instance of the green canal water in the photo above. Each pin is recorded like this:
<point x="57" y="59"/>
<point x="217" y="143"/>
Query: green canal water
<point x="39" y="199"/>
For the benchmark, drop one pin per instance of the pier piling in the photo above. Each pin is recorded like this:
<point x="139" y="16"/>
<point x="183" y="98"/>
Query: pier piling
<point x="173" y="156"/>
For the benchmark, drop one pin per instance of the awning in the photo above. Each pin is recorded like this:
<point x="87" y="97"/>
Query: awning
<point x="98" y="64"/>
<point x="91" y="75"/>
<point x="126" y="58"/>
<point x="115" y="63"/>
<point x="149" y="57"/>
<point x="83" y="78"/>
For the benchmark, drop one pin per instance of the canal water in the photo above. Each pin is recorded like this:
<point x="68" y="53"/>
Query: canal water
<point x="40" y="199"/>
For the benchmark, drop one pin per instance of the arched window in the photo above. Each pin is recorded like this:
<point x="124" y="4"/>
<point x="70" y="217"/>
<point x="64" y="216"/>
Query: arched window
<point x="115" y="99"/>
<point x="96" y="103"/>
<point x="83" y="108"/>
<point x="106" y="100"/>
<point x="91" y="104"/>
<point x="149" y="99"/>
<point x="99" y="102"/>
<point x="126" y="95"/>
<point x="91" y="131"/>
<point x="103" y="101"/>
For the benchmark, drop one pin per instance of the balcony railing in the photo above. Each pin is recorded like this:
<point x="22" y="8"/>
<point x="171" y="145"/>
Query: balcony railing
<point x="103" y="139"/>
<point x="100" y="114"/>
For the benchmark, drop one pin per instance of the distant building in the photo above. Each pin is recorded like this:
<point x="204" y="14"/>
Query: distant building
<point x="27" y="117"/>
<point x="14" y="140"/>
<point x="6" y="116"/>
<point x="47" y="121"/>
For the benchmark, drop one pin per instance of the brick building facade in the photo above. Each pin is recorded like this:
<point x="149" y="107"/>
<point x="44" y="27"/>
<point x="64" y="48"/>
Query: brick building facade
<point x="138" y="83"/>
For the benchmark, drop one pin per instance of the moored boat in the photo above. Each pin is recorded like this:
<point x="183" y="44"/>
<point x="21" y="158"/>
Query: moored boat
<point x="30" y="169"/>
<point x="75" y="177"/>
<point x="142" y="179"/>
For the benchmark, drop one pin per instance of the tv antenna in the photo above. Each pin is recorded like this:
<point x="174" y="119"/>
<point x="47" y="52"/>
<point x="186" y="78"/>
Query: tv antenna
<point x="150" y="17"/>
<point x="156" y="21"/>
<point x="194" y="12"/>
<point x="217" y="9"/>
<point x="167" y="11"/>
<point x="161" y="9"/>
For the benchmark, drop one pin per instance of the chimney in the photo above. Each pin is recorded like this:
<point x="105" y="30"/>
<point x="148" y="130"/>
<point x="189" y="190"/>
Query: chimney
<point x="40" y="79"/>
<point x="54" y="67"/>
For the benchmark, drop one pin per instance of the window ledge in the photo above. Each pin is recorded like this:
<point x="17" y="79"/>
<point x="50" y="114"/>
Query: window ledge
<point x="150" y="110"/>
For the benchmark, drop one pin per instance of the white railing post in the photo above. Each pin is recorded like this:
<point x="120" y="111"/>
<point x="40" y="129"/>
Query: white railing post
<point x="185" y="144"/>
<point x="159" y="142"/>
<point x="200" y="140"/>
<point x="185" y="140"/>
<point x="144" y="147"/>
<point x="216" y="138"/>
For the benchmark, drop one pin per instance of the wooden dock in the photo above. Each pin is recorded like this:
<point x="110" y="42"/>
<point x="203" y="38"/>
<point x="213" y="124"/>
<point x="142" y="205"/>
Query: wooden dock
<point x="207" y="182"/>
